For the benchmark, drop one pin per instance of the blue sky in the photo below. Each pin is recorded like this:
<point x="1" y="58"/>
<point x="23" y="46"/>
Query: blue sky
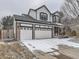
<point x="10" y="7"/>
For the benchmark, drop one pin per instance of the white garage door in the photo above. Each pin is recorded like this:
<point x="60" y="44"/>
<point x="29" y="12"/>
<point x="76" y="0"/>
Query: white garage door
<point x="39" y="34"/>
<point x="25" y="34"/>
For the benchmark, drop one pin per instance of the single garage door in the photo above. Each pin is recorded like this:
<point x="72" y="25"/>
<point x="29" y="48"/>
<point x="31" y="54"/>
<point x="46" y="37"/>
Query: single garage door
<point x="42" y="34"/>
<point x="25" y="34"/>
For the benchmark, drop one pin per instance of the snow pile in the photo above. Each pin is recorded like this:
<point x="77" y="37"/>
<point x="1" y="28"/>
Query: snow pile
<point x="46" y="45"/>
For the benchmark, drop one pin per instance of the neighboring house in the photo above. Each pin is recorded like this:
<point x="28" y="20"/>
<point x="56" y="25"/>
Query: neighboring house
<point x="39" y="23"/>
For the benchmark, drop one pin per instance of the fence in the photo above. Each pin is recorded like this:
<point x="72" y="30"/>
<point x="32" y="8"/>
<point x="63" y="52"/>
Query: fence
<point x="7" y="34"/>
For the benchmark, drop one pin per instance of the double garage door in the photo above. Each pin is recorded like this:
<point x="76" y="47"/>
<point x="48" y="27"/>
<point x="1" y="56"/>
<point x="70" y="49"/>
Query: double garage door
<point x="42" y="34"/>
<point x="26" y="34"/>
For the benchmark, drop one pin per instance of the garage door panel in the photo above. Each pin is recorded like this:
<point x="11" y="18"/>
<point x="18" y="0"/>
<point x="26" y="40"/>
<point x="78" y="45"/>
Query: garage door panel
<point x="42" y="34"/>
<point x="25" y="34"/>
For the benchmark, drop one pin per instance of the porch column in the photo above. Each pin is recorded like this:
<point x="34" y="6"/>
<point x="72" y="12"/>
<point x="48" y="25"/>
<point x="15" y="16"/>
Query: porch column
<point x="52" y="31"/>
<point x="58" y="31"/>
<point x="33" y="31"/>
<point x="17" y="31"/>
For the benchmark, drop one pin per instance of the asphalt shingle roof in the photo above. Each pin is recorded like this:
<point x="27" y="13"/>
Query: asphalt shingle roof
<point x="27" y="18"/>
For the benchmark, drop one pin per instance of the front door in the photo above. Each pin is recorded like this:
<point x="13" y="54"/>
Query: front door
<point x="56" y="31"/>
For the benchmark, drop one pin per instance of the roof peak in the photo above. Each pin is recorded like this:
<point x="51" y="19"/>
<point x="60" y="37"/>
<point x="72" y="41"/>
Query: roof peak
<point x="41" y="7"/>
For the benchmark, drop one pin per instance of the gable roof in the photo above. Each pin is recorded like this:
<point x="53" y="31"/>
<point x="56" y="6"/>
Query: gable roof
<point x="56" y="12"/>
<point x="40" y="8"/>
<point x="30" y="10"/>
<point x="45" y="7"/>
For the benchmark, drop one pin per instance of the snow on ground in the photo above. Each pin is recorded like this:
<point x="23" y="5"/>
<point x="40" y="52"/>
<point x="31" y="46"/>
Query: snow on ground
<point x="45" y="45"/>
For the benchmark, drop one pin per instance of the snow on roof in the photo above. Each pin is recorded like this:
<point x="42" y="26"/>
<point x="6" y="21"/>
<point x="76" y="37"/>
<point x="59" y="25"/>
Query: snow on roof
<point x="46" y="45"/>
<point x="59" y="24"/>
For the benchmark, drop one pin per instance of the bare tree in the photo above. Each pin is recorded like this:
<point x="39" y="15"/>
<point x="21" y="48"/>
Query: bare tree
<point x="70" y="8"/>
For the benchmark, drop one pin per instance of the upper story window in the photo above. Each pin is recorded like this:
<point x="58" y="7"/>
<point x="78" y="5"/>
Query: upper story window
<point x="43" y="16"/>
<point x="56" y="19"/>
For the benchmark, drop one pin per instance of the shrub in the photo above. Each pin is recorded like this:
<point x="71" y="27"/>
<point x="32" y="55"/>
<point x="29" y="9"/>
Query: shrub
<point x="73" y="33"/>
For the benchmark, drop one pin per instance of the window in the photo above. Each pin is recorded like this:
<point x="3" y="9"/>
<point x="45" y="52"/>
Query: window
<point x="56" y="19"/>
<point x="43" y="16"/>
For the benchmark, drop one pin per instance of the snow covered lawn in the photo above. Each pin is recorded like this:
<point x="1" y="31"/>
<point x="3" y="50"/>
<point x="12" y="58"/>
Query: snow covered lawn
<point x="46" y="45"/>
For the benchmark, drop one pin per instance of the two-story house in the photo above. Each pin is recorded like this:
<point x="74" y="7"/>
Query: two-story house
<point x="39" y="23"/>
